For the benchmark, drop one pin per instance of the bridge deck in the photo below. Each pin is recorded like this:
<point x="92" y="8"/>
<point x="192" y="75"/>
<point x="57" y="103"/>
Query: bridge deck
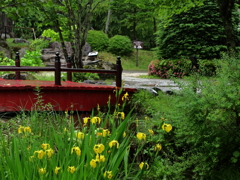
<point x="18" y="95"/>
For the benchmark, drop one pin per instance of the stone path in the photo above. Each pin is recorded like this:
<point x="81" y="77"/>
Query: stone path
<point x="133" y="79"/>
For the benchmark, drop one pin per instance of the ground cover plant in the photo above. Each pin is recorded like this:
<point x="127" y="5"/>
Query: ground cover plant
<point x="42" y="144"/>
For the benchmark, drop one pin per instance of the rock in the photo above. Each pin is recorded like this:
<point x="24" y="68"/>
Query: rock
<point x="19" y="40"/>
<point x="23" y="76"/>
<point x="99" y="64"/>
<point x="22" y="51"/>
<point x="108" y="65"/>
<point x="48" y="56"/>
<point x="55" y="46"/>
<point x="101" y="83"/>
<point x="5" y="49"/>
<point x="3" y="36"/>
<point x="86" y="49"/>
<point x="89" y="82"/>
<point x="157" y="89"/>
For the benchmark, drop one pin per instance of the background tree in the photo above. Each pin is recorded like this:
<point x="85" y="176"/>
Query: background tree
<point x="69" y="17"/>
<point x="167" y="9"/>
<point x="198" y="31"/>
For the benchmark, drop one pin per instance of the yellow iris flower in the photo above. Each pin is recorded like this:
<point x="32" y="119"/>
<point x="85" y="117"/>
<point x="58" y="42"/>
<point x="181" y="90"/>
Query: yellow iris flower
<point x="122" y="114"/>
<point x="22" y="129"/>
<point x="125" y="96"/>
<point x="105" y="132"/>
<point x="98" y="148"/>
<point x="42" y="170"/>
<point x="108" y="174"/>
<point x="40" y="154"/>
<point x="71" y="169"/>
<point x="151" y="131"/>
<point x="45" y="146"/>
<point x="100" y="158"/>
<point x="80" y="135"/>
<point x="143" y="165"/>
<point x="56" y="170"/>
<point x="141" y="136"/>
<point x="158" y="147"/>
<point x="77" y="150"/>
<point x="93" y="163"/>
<point x="95" y="120"/>
<point x="114" y="143"/>
<point x="49" y="152"/>
<point x="27" y="129"/>
<point x="167" y="127"/>
<point x="86" y="120"/>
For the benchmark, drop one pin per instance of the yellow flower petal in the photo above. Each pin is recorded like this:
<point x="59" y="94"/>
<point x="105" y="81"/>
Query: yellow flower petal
<point x="56" y="170"/>
<point x="42" y="171"/>
<point x="167" y="127"/>
<point x="93" y="163"/>
<point x="151" y="131"/>
<point x="143" y="165"/>
<point x="158" y="147"/>
<point x="114" y="143"/>
<point x="45" y="146"/>
<point x="95" y="120"/>
<point x="80" y="135"/>
<point x="71" y="169"/>
<point x="98" y="148"/>
<point x="76" y="150"/>
<point x="141" y="136"/>
<point x="108" y="174"/>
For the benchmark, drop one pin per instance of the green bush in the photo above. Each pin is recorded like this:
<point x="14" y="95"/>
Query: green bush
<point x="120" y="45"/>
<point x="39" y="44"/>
<point x="80" y="77"/>
<point x="32" y="58"/>
<point x="51" y="34"/>
<point x="205" y="115"/>
<point x="179" y="68"/>
<point x="98" y="40"/>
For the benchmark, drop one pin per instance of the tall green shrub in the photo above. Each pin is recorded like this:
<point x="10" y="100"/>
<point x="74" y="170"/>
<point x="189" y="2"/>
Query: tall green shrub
<point x="198" y="31"/>
<point x="205" y="115"/>
<point x="120" y="45"/>
<point x="98" y="40"/>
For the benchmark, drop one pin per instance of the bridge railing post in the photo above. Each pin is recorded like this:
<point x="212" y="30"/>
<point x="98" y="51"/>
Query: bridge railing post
<point x="69" y="65"/>
<point x="57" y="69"/>
<point x="119" y="72"/>
<point x="17" y="64"/>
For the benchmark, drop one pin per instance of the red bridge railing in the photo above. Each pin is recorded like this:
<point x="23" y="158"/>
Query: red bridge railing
<point x="58" y="69"/>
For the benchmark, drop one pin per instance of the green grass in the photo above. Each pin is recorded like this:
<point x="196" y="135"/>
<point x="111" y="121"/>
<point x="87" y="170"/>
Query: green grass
<point x="45" y="76"/>
<point x="20" y="45"/>
<point x="129" y="62"/>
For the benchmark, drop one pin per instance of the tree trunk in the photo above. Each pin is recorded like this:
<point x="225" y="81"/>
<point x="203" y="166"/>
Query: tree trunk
<point x="108" y="19"/>
<point x="225" y="8"/>
<point x="62" y="40"/>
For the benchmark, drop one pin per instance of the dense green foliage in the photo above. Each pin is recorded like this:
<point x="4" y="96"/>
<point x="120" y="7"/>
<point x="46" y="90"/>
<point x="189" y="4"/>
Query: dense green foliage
<point x="199" y="31"/>
<point x="32" y="58"/>
<point x="204" y="113"/>
<point x="39" y="44"/>
<point x="120" y="45"/>
<point x="166" y="69"/>
<point x="80" y="77"/>
<point x="51" y="34"/>
<point x="98" y="40"/>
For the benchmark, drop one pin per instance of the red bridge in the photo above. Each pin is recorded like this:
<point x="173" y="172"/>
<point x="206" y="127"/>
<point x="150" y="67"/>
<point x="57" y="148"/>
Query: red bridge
<point x="24" y="95"/>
